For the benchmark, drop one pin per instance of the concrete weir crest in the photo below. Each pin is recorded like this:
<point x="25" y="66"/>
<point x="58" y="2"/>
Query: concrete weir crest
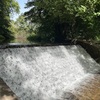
<point x="58" y="72"/>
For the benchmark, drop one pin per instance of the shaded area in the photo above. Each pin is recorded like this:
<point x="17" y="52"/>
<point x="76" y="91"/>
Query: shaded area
<point x="5" y="92"/>
<point x="92" y="48"/>
<point x="35" y="38"/>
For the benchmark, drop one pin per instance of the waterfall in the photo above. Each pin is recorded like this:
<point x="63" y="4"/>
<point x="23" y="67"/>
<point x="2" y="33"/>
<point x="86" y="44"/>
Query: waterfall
<point x="50" y="73"/>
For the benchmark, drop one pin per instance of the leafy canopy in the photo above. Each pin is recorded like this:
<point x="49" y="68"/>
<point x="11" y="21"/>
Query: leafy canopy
<point x="7" y="8"/>
<point x="61" y="19"/>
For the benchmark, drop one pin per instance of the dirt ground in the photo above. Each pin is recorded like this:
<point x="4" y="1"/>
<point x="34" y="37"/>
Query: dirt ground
<point x="5" y="92"/>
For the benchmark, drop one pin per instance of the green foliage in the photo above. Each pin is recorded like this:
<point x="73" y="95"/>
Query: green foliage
<point x="63" y="19"/>
<point x="24" y="25"/>
<point x="1" y="38"/>
<point x="14" y="6"/>
<point x="34" y="38"/>
<point x="7" y="7"/>
<point x="21" y="29"/>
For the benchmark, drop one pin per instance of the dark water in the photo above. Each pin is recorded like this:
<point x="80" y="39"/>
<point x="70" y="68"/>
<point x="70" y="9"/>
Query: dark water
<point x="20" y="40"/>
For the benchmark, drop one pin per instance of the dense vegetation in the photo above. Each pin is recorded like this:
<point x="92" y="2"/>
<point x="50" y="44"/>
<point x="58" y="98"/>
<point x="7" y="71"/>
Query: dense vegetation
<point x="21" y="29"/>
<point x="51" y="20"/>
<point x="7" y="8"/>
<point x="58" y="20"/>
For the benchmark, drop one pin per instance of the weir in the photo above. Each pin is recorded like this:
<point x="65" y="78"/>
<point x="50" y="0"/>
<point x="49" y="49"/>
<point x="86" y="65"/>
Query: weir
<point x="50" y="73"/>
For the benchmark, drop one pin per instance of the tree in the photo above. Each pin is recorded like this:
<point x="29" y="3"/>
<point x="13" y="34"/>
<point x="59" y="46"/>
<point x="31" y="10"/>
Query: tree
<point x="21" y="28"/>
<point x="62" y="19"/>
<point x="7" y="8"/>
<point x="24" y="25"/>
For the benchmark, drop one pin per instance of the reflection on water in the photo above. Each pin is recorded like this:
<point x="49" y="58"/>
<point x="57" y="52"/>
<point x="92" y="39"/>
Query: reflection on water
<point x="16" y="40"/>
<point x="20" y="40"/>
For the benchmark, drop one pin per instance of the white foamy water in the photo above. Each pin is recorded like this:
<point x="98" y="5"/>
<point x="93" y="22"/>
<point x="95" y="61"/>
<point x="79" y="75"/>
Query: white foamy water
<point x="46" y="73"/>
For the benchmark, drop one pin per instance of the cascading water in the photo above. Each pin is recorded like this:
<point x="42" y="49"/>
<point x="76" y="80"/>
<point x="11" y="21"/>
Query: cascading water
<point x="50" y="73"/>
